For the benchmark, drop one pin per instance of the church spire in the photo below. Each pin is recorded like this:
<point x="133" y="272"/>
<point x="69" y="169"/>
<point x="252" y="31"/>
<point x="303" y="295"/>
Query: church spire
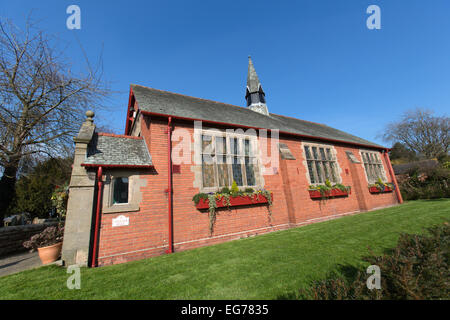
<point x="254" y="94"/>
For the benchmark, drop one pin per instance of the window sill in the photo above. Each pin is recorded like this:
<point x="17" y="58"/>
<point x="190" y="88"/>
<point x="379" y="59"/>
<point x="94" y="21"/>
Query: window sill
<point x="121" y="208"/>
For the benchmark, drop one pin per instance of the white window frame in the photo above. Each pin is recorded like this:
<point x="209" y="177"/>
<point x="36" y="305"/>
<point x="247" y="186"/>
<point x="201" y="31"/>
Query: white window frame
<point x="375" y="162"/>
<point x="253" y="153"/>
<point x="332" y="159"/>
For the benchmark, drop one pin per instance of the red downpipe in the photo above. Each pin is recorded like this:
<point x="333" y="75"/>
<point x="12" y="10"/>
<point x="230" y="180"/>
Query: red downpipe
<point x="97" y="217"/>
<point x="169" y="190"/>
<point x="394" y="179"/>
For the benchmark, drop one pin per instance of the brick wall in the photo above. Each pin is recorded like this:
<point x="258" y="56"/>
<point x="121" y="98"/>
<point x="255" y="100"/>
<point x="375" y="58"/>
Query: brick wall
<point x="147" y="232"/>
<point x="12" y="238"/>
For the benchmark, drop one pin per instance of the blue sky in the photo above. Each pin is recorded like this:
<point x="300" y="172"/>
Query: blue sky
<point x="316" y="59"/>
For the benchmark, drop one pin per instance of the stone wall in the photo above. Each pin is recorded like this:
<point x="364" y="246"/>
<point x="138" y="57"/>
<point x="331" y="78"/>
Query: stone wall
<point x="12" y="238"/>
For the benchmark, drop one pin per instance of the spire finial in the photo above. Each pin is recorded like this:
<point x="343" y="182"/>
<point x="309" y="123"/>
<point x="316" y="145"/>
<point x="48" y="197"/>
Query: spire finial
<point x="254" y="93"/>
<point x="253" y="83"/>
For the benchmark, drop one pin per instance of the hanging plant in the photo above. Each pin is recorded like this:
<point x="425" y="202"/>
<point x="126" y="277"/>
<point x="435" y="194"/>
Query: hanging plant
<point x="212" y="212"/>
<point x="268" y="195"/>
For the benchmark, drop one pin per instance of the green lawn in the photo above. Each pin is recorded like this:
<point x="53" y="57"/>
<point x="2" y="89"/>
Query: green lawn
<point x="263" y="267"/>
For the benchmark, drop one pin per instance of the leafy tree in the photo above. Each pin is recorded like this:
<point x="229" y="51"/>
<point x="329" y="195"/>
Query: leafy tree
<point x="42" y="102"/>
<point x="421" y="132"/>
<point x="34" y="189"/>
<point x="400" y="153"/>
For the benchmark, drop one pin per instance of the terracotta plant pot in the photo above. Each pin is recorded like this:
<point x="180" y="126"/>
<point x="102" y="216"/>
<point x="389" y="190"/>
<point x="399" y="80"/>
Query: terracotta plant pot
<point x="51" y="253"/>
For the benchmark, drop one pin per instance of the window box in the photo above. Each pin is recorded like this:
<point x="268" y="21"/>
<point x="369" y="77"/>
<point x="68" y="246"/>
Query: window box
<point x="315" y="194"/>
<point x="376" y="190"/>
<point x="234" y="201"/>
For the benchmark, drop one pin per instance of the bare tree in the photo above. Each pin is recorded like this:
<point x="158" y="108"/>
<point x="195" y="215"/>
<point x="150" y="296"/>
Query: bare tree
<point x="421" y="132"/>
<point x="42" y="102"/>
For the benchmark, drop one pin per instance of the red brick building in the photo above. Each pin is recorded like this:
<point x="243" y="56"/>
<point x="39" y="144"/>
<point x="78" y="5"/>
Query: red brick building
<point x="131" y="195"/>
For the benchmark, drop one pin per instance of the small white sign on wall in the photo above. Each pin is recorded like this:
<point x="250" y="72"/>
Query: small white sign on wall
<point x="120" y="221"/>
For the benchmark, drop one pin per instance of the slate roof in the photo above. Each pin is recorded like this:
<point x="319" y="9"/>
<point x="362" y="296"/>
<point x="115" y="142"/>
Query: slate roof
<point x="174" y="104"/>
<point x="116" y="150"/>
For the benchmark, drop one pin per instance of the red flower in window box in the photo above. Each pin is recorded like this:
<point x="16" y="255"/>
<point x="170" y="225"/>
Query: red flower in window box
<point x="316" y="194"/>
<point x="374" y="189"/>
<point x="234" y="201"/>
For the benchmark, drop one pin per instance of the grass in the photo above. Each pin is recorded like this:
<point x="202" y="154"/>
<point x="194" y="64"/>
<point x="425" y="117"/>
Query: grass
<point x="268" y="266"/>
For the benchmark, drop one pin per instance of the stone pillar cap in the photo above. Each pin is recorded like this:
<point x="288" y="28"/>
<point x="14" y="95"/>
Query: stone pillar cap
<point x="90" y="116"/>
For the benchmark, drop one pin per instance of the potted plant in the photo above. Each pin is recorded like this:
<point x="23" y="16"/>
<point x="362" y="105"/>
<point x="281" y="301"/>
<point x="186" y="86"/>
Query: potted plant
<point x="48" y="243"/>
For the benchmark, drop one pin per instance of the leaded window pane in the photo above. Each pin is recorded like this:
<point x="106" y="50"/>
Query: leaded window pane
<point x="247" y="148"/>
<point x="311" y="171"/>
<point x="222" y="171"/>
<point x="333" y="172"/>
<point x="322" y="154"/>
<point x="326" y="169"/>
<point x="237" y="171"/>
<point x="250" y="171"/>
<point x="234" y="145"/>
<point x="207" y="144"/>
<point x="319" y="172"/>
<point x="308" y="153"/>
<point x="207" y="172"/>
<point x="314" y="150"/>
<point x="221" y="146"/>
<point x="329" y="156"/>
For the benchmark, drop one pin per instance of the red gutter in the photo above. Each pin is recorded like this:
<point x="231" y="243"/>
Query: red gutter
<point x="394" y="179"/>
<point x="169" y="190"/>
<point x="119" y="135"/>
<point x="248" y="127"/>
<point x="97" y="217"/>
<point x="131" y="166"/>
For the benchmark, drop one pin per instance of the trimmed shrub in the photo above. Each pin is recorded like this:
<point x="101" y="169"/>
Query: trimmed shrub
<point x="431" y="184"/>
<point x="417" y="268"/>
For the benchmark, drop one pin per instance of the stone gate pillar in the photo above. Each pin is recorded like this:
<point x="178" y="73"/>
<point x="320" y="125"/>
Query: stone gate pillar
<point x="77" y="232"/>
